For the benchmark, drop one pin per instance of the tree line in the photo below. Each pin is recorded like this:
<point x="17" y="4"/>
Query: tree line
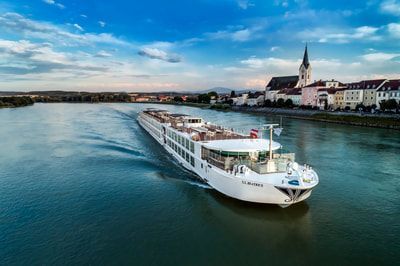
<point x="15" y="101"/>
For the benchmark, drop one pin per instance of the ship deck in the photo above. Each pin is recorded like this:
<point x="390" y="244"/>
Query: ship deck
<point x="204" y="132"/>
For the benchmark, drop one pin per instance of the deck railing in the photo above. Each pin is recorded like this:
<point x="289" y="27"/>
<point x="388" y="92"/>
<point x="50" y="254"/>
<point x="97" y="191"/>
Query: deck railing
<point x="280" y="163"/>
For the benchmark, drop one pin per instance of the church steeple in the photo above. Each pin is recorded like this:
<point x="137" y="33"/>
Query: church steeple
<point x="305" y="70"/>
<point x="306" y="63"/>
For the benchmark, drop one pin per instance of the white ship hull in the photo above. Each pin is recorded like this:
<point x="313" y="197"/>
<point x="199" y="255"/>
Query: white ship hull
<point x="246" y="186"/>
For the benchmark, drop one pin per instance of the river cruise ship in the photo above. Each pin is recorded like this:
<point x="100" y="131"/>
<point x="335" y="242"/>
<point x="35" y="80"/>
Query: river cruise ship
<point x="238" y="165"/>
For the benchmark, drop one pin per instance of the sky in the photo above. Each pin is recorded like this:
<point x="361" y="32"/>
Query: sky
<point x="121" y="45"/>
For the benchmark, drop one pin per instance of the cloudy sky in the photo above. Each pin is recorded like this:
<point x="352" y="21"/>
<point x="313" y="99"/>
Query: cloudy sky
<point x="150" y="45"/>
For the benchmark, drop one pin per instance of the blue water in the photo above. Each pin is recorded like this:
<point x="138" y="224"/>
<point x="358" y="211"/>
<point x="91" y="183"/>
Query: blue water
<point x="84" y="184"/>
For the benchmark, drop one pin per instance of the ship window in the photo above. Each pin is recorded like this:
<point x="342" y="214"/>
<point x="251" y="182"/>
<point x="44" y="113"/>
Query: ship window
<point x="187" y="156"/>
<point x="192" y="161"/>
<point x="187" y="144"/>
<point x="192" y="147"/>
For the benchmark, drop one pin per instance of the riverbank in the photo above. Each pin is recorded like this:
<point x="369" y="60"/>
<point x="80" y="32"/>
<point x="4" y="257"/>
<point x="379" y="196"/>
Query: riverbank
<point x="12" y="102"/>
<point x="389" y="121"/>
<point x="356" y="119"/>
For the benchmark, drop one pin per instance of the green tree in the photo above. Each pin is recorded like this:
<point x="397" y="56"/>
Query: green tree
<point x="233" y="94"/>
<point x="391" y="104"/>
<point x="280" y="103"/>
<point x="204" y="98"/>
<point x="268" y="103"/>
<point x="289" y="103"/>
<point x="178" y="99"/>
<point x="212" y="93"/>
<point x="360" y="106"/>
<point x="191" y="99"/>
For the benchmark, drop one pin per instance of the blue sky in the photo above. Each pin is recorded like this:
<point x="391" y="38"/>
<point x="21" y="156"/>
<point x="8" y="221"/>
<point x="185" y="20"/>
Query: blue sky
<point x="191" y="45"/>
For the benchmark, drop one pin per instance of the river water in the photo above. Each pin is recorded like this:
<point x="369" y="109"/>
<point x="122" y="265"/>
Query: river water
<point x="84" y="184"/>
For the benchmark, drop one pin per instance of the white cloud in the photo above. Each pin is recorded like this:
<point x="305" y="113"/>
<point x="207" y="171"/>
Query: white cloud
<point x="78" y="27"/>
<point x="19" y="24"/>
<point x="102" y="23"/>
<point x="364" y="33"/>
<point x="24" y="57"/>
<point x="274" y="48"/>
<point x="241" y="35"/>
<point x="394" y="30"/>
<point x="155" y="53"/>
<point x="83" y="15"/>
<point x="244" y="4"/>
<point x="283" y="3"/>
<point x="379" y="57"/>
<point x="236" y="34"/>
<point x="103" y="53"/>
<point x="391" y="7"/>
<point x="54" y="3"/>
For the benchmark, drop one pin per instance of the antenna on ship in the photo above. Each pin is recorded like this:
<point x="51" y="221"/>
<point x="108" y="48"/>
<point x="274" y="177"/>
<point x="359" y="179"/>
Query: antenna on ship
<point x="270" y="127"/>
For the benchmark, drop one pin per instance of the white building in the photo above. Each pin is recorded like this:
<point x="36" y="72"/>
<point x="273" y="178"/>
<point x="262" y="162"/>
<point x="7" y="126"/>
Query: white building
<point x="294" y="95"/>
<point x="389" y="90"/>
<point x="326" y="98"/>
<point x="242" y="99"/>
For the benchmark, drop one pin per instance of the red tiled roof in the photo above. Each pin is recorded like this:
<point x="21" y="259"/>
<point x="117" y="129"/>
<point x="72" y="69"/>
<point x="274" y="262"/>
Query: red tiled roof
<point x="366" y="84"/>
<point x="331" y="90"/>
<point x="391" y="85"/>
<point x="295" y="91"/>
<point x="322" y="83"/>
<point x="279" y="83"/>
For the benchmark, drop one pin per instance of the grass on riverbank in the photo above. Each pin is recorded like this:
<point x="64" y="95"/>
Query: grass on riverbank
<point x="370" y="121"/>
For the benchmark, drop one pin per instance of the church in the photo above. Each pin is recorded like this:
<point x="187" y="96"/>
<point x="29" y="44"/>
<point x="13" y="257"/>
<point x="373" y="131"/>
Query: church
<point x="295" y="82"/>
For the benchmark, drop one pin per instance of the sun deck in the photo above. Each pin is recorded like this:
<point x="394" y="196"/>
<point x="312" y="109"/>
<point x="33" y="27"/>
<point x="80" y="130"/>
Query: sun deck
<point x="196" y="127"/>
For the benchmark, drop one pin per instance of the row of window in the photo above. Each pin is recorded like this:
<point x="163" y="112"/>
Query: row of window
<point x="352" y="98"/>
<point x="392" y="94"/>
<point x="186" y="143"/>
<point x="152" y="126"/>
<point x="182" y="152"/>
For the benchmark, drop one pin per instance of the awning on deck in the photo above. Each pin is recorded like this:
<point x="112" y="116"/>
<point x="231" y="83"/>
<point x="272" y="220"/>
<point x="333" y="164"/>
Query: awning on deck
<point x="241" y="145"/>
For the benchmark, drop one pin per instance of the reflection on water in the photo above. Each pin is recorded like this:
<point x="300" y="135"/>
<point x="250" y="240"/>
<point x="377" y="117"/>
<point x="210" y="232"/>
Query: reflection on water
<point x="84" y="184"/>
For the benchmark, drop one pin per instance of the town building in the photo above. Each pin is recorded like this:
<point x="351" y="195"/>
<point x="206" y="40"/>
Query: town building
<point x="367" y="88"/>
<point x="326" y="98"/>
<point x="277" y="84"/>
<point x="389" y="90"/>
<point x="352" y="98"/>
<point x="282" y="94"/>
<point x="294" y="95"/>
<point x="309" y="94"/>
<point x="339" y="99"/>
<point x="242" y="99"/>
<point x="255" y="99"/>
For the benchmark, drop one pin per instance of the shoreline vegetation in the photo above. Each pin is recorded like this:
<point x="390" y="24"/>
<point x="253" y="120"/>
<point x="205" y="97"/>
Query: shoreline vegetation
<point x="15" y="101"/>
<point x="379" y="120"/>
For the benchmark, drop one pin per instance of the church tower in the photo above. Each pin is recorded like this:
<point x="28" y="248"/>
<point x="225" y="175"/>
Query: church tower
<point x="304" y="71"/>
